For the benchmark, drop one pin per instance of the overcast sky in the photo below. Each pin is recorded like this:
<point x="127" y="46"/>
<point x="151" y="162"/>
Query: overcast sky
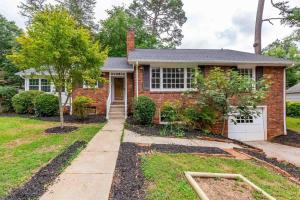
<point x="210" y="24"/>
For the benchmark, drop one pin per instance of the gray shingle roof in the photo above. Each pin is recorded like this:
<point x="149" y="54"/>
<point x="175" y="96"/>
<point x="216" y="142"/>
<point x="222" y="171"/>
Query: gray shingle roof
<point x="294" y="89"/>
<point x="205" y="56"/>
<point x="117" y="64"/>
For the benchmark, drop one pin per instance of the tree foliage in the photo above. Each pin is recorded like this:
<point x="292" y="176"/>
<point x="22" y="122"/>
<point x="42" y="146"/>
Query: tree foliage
<point x="164" y="18"/>
<point x="287" y="49"/>
<point x="29" y="8"/>
<point x="54" y="43"/>
<point x="290" y="15"/>
<point x="230" y="94"/>
<point x="8" y="33"/>
<point x="113" y="32"/>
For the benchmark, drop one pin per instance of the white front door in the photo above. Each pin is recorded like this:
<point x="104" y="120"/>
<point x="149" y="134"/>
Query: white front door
<point x="247" y="129"/>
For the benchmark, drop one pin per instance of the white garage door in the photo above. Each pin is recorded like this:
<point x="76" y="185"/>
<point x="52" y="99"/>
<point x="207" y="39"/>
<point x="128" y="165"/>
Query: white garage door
<point x="247" y="129"/>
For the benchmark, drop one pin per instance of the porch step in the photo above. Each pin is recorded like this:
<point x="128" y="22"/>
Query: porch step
<point x="117" y="109"/>
<point x="118" y="102"/>
<point x="116" y="115"/>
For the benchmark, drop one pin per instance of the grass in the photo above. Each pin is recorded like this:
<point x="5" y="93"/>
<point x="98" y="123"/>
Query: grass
<point x="293" y="124"/>
<point x="24" y="148"/>
<point x="165" y="175"/>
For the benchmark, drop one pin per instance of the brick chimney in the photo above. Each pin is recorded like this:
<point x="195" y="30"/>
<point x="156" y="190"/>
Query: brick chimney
<point x="130" y="40"/>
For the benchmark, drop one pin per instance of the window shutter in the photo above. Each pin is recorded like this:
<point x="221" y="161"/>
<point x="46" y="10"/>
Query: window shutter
<point x="146" y="77"/>
<point x="259" y="73"/>
<point x="201" y="69"/>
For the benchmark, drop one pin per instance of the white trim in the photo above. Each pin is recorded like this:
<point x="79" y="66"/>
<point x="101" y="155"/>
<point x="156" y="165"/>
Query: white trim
<point x="125" y="96"/>
<point x="137" y="79"/>
<point x="161" y="89"/>
<point x="284" y="102"/>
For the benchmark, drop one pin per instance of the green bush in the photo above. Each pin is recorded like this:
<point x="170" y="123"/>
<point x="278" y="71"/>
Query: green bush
<point x="199" y="118"/>
<point x="293" y="109"/>
<point x="81" y="106"/>
<point x="6" y="94"/>
<point x="46" y="105"/>
<point x="143" y="110"/>
<point x="23" y="102"/>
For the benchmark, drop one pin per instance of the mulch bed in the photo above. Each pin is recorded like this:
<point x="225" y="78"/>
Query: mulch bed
<point x="291" y="139"/>
<point x="36" y="186"/>
<point x="288" y="167"/>
<point x="59" y="130"/>
<point x="128" y="181"/>
<point x="67" y="118"/>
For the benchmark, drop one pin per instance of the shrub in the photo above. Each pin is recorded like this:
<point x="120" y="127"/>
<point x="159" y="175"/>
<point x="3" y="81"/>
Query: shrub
<point x="46" y="105"/>
<point x="6" y="94"/>
<point x="199" y="118"/>
<point x="293" y="109"/>
<point x="81" y="106"/>
<point x="143" y="110"/>
<point x="23" y="102"/>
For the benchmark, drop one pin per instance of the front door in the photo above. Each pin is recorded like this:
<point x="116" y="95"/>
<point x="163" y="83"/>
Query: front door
<point x="119" y="82"/>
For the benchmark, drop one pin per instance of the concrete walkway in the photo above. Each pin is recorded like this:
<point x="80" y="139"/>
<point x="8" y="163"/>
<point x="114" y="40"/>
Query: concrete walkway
<point x="279" y="151"/>
<point x="90" y="175"/>
<point x="130" y="136"/>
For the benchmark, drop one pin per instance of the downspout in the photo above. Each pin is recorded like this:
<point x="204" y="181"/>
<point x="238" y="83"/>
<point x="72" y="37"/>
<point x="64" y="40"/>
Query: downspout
<point x="137" y="79"/>
<point x="284" y="101"/>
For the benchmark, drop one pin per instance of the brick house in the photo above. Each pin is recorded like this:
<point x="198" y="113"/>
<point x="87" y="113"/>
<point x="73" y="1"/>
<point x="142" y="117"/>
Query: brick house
<point x="165" y="74"/>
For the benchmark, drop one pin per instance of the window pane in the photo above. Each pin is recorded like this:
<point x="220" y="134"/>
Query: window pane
<point x="33" y="84"/>
<point x="245" y="72"/>
<point x="173" y="78"/>
<point x="190" y="77"/>
<point x="155" y="78"/>
<point x="45" y="85"/>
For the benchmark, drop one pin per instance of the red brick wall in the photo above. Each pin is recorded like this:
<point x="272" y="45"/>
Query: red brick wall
<point x="99" y="95"/>
<point x="130" y="89"/>
<point x="274" y="101"/>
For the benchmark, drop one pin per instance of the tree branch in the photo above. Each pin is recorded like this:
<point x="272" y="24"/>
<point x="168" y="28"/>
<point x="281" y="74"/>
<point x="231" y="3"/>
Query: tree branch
<point x="272" y="18"/>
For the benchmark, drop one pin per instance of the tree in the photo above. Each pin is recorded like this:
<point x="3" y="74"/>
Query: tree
<point x="30" y="7"/>
<point x="230" y="94"/>
<point x="82" y="11"/>
<point x="8" y="33"/>
<point x="290" y="16"/>
<point x="287" y="49"/>
<point x="113" y="32"/>
<point x="164" y="18"/>
<point x="55" y="44"/>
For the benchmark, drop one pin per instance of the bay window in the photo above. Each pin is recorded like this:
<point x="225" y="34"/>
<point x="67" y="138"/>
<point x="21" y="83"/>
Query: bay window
<point x="39" y="84"/>
<point x="34" y="84"/>
<point x="172" y="79"/>
<point x="45" y="85"/>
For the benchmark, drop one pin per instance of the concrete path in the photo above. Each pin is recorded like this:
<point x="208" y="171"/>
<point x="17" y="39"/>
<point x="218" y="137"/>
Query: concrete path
<point x="90" y="175"/>
<point x="279" y="151"/>
<point x="130" y="136"/>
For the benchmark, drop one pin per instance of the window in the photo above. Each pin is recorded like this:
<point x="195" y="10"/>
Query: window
<point x="246" y="72"/>
<point x="155" y="78"/>
<point x="33" y="84"/>
<point x="172" y="78"/>
<point x="190" y="78"/>
<point x="244" y="120"/>
<point x="45" y="85"/>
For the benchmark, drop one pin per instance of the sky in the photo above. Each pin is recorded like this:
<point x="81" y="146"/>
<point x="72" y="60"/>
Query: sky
<point x="212" y="24"/>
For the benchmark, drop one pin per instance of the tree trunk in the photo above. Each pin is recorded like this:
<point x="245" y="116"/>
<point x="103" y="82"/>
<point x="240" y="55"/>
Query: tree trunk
<point x="258" y="26"/>
<point x="61" y="110"/>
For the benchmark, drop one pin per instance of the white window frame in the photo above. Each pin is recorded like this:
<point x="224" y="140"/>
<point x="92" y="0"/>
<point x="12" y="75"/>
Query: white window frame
<point x="253" y="68"/>
<point x="38" y="85"/>
<point x="161" y="80"/>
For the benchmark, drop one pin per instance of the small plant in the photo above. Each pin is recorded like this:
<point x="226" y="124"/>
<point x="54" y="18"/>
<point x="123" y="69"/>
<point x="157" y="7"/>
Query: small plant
<point x="143" y="110"/>
<point x="293" y="109"/>
<point x="81" y="106"/>
<point x="46" y="105"/>
<point x="23" y="102"/>
<point x="171" y="113"/>
<point x="6" y="94"/>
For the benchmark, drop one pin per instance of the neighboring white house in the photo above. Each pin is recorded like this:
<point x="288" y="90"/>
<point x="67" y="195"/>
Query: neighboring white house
<point x="293" y="93"/>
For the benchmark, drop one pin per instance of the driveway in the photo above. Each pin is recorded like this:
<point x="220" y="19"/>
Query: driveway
<point x="279" y="151"/>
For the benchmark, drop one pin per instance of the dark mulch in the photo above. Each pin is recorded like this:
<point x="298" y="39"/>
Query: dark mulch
<point x="288" y="167"/>
<point x="128" y="179"/>
<point x="36" y="186"/>
<point x="291" y="139"/>
<point x="59" y="130"/>
<point x="154" y="130"/>
<point x="67" y="118"/>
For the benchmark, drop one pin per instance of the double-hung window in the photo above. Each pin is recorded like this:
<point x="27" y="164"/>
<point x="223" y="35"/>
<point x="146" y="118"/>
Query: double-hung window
<point x="34" y="84"/>
<point x="45" y="85"/>
<point x="246" y="72"/>
<point x="172" y="79"/>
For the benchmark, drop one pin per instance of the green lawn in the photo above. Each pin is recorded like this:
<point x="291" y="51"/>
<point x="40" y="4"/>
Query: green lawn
<point x="24" y="148"/>
<point x="165" y="175"/>
<point x="293" y="124"/>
